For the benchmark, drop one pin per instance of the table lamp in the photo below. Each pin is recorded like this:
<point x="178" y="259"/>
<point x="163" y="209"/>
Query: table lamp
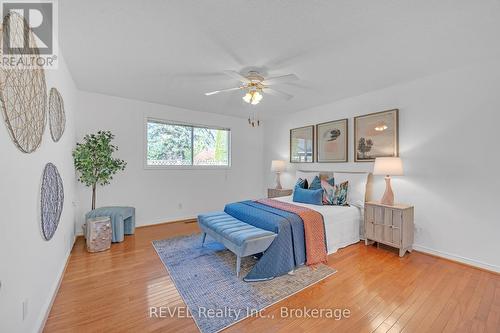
<point x="388" y="166"/>
<point x="278" y="166"/>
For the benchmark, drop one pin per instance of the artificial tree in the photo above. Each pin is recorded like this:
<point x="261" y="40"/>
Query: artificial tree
<point x="94" y="161"/>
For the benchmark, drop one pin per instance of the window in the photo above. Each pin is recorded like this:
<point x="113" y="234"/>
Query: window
<point x="171" y="144"/>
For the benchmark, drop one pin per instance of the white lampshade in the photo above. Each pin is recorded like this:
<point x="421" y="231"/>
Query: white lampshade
<point x="390" y="166"/>
<point x="278" y="166"/>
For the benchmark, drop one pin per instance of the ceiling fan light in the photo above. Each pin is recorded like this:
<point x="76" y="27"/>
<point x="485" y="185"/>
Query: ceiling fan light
<point x="247" y="98"/>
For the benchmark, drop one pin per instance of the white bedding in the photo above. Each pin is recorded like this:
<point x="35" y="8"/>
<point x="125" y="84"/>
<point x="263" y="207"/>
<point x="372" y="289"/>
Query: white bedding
<point x="341" y="223"/>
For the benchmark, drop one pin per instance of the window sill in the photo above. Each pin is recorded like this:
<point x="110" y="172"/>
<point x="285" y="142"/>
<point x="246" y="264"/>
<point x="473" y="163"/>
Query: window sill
<point x="186" y="167"/>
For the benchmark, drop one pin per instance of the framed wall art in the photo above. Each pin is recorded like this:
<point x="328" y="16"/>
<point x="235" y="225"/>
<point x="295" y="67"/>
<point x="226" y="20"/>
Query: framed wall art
<point x="331" y="141"/>
<point x="376" y="135"/>
<point x="301" y="145"/>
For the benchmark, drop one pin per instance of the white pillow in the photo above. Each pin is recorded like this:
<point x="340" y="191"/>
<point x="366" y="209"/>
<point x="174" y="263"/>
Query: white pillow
<point x="309" y="175"/>
<point x="357" y="186"/>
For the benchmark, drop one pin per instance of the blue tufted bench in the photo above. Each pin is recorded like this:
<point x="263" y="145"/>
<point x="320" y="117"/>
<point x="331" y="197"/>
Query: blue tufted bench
<point x="239" y="237"/>
<point x="122" y="220"/>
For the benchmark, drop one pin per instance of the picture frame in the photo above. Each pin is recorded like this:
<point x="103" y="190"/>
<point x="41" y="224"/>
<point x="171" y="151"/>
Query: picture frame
<point x="302" y="144"/>
<point x="376" y="135"/>
<point x="332" y="141"/>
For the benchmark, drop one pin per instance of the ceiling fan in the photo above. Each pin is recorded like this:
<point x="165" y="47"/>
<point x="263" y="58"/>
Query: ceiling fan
<point x="254" y="85"/>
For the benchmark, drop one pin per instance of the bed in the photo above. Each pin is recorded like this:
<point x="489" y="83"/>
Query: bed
<point x="305" y="233"/>
<point x="342" y="224"/>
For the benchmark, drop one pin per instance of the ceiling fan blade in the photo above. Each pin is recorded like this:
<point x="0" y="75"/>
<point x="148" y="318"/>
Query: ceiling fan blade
<point x="280" y="79"/>
<point x="278" y="93"/>
<point x="223" y="90"/>
<point x="237" y="76"/>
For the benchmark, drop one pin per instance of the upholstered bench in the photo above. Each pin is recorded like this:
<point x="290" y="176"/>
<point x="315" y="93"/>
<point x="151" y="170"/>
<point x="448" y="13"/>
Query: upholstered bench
<point x="239" y="237"/>
<point x="122" y="220"/>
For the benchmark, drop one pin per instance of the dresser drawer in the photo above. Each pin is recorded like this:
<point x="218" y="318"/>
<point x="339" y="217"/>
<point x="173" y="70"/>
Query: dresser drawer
<point x="383" y="224"/>
<point x="378" y="220"/>
<point x="391" y="225"/>
<point x="369" y="222"/>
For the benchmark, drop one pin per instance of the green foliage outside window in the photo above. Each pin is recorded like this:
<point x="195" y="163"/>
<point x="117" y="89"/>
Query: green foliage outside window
<point x="172" y="144"/>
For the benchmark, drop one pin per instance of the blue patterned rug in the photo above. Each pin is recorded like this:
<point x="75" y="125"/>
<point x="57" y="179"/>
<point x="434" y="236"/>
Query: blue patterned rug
<point x="205" y="278"/>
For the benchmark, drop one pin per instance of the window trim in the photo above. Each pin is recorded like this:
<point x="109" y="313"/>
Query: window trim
<point x="183" y="167"/>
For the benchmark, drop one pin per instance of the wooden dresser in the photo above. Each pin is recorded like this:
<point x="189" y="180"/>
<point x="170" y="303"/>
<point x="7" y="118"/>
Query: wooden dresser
<point x="390" y="225"/>
<point x="274" y="192"/>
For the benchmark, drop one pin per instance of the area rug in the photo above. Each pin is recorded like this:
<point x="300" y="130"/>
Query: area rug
<point x="205" y="278"/>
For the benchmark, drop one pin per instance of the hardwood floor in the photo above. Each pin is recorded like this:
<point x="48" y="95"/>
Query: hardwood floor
<point x="113" y="290"/>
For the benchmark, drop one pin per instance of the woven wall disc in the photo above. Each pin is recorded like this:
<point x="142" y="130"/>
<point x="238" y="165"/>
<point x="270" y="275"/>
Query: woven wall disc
<point x="23" y="93"/>
<point x="57" y="117"/>
<point x="52" y="200"/>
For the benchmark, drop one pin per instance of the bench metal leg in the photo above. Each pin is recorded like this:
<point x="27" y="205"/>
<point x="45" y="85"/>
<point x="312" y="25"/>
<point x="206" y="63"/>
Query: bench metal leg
<point x="203" y="237"/>
<point x="238" y="264"/>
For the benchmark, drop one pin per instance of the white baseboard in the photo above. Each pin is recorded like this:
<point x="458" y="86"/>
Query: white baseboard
<point x="165" y="220"/>
<point x="44" y="315"/>
<point x="457" y="258"/>
<point x="154" y="222"/>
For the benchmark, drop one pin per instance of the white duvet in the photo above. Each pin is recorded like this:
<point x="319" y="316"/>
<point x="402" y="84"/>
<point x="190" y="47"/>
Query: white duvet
<point x="341" y="223"/>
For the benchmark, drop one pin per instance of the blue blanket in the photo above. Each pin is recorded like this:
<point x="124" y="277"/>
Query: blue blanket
<point x="288" y="248"/>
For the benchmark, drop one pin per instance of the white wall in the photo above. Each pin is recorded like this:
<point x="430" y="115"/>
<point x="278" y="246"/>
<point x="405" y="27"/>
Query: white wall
<point x="166" y="194"/>
<point x="449" y="146"/>
<point x="30" y="267"/>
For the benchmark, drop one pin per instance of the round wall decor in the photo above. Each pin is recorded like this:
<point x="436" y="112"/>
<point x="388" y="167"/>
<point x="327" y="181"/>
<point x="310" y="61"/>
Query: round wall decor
<point x="52" y="200"/>
<point x="57" y="117"/>
<point x="23" y="93"/>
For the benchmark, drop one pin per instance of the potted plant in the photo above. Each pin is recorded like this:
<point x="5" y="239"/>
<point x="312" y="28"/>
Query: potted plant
<point x="94" y="161"/>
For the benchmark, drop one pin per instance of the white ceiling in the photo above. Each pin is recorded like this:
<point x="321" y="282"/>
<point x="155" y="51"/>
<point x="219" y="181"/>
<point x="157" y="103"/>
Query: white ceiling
<point x="171" y="52"/>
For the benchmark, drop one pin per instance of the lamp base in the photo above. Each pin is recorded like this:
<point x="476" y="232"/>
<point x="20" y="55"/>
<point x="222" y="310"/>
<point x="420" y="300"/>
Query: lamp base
<point x="388" y="198"/>
<point x="278" y="181"/>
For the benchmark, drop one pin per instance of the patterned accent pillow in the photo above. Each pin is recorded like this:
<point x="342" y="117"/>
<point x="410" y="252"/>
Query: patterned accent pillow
<point x="341" y="190"/>
<point x="335" y="195"/>
<point x="328" y="192"/>
<point x="302" y="183"/>
<point x="331" y="181"/>
<point x="315" y="184"/>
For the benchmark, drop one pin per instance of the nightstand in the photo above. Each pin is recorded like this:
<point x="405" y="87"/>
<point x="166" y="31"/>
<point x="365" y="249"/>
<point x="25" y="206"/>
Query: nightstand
<point x="390" y="225"/>
<point x="274" y="192"/>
